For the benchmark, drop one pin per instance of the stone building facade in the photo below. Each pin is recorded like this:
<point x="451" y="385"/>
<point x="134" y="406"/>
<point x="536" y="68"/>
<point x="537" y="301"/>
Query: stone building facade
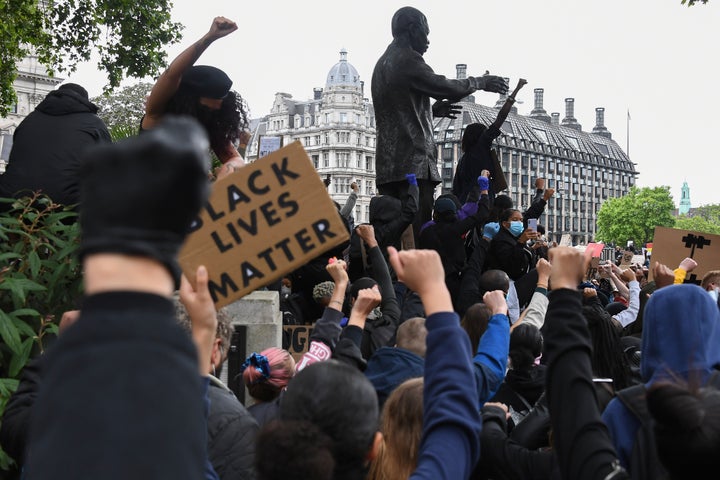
<point x="337" y="129"/>
<point x="31" y="86"/>
<point x="585" y="167"/>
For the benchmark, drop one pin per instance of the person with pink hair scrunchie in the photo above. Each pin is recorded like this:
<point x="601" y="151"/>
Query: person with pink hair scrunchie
<point x="266" y="374"/>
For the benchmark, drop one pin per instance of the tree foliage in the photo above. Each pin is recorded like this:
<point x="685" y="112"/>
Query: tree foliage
<point x="124" y="107"/>
<point x="704" y="219"/>
<point x="635" y="216"/>
<point x="129" y="35"/>
<point x="690" y="3"/>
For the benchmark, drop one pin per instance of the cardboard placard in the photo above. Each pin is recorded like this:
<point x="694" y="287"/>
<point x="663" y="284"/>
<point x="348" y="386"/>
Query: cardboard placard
<point x="594" y="250"/>
<point x="299" y="339"/>
<point x="627" y="258"/>
<point x="261" y="222"/>
<point x="672" y="245"/>
<point x="566" y="240"/>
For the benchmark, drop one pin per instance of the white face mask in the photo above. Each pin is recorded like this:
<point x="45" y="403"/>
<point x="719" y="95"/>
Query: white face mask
<point x="714" y="294"/>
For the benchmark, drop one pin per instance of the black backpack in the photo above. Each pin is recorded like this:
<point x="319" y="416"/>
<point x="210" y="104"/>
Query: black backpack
<point x="644" y="461"/>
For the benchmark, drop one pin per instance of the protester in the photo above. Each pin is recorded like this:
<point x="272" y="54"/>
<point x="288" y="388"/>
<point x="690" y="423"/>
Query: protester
<point x="266" y="375"/>
<point x="476" y="145"/>
<point x="525" y="378"/>
<point x="388" y="367"/>
<point x="687" y="421"/>
<point x="231" y="427"/>
<point x="203" y="92"/>
<point x="401" y="427"/>
<point x="122" y="396"/>
<point x="447" y="236"/>
<point x="329" y="416"/>
<point x="48" y="146"/>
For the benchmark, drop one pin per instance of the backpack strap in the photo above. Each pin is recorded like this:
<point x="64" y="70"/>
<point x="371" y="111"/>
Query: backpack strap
<point x="634" y="399"/>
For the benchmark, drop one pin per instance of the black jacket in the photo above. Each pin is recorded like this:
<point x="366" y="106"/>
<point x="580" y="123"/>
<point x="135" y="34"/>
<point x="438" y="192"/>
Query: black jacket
<point x="509" y="255"/>
<point x="48" y="145"/>
<point x="231" y="434"/>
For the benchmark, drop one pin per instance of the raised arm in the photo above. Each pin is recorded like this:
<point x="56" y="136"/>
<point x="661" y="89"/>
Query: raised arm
<point x="169" y="81"/>
<point x="200" y="307"/>
<point x="581" y="440"/>
<point x="509" y="100"/>
<point x="451" y="420"/>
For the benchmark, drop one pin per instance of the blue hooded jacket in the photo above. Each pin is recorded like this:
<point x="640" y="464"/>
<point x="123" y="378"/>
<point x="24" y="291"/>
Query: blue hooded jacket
<point x="681" y="334"/>
<point x="388" y="367"/>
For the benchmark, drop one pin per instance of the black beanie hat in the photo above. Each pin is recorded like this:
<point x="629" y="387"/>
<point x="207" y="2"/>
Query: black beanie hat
<point x="360" y="284"/>
<point x="206" y="81"/>
<point x="140" y="195"/>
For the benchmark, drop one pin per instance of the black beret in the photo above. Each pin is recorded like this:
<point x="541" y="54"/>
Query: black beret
<point x="206" y="81"/>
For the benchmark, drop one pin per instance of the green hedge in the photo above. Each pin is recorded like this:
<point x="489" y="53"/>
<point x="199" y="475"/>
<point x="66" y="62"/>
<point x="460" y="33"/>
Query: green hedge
<point x="40" y="279"/>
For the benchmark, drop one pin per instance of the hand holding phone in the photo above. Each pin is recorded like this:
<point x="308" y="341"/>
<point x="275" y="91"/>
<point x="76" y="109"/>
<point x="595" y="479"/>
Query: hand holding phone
<point x="532" y="224"/>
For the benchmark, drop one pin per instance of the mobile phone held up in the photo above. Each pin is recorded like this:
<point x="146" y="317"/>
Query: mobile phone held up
<point x="532" y="224"/>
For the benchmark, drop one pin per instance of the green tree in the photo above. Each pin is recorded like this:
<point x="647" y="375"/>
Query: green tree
<point x="129" y="35"/>
<point x="635" y="216"/>
<point x="124" y="107"/>
<point x="704" y="219"/>
<point x="690" y="3"/>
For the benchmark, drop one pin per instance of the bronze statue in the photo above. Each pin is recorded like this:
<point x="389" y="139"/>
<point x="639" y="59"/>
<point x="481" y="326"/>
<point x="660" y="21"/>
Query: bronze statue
<point x="402" y="85"/>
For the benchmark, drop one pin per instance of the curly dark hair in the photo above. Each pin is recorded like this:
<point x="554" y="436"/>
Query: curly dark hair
<point x="223" y="125"/>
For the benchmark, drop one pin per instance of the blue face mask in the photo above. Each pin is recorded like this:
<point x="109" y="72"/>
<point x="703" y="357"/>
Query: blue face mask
<point x="516" y="228"/>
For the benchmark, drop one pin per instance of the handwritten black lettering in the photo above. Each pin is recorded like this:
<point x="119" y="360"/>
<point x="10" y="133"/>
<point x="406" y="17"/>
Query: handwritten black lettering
<point x="222" y="289"/>
<point x="282" y="171"/>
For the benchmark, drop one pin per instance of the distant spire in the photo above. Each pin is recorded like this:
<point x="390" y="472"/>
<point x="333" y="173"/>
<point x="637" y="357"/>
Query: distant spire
<point x="685" y="204"/>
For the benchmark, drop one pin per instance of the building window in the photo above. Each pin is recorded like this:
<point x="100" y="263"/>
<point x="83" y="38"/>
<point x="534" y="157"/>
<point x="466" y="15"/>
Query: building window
<point x="524" y="162"/>
<point x="343" y="117"/>
<point x="326" y="159"/>
<point x="316" y="161"/>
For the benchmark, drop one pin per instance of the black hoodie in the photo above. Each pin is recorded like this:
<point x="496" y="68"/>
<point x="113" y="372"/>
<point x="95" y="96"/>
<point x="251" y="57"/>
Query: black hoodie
<point x="48" y="145"/>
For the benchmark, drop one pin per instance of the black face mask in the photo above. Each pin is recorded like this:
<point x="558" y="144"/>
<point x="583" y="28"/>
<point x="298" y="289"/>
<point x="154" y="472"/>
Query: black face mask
<point x="208" y="117"/>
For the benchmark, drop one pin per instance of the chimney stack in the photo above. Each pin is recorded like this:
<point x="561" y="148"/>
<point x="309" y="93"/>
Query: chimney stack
<point x="555" y="118"/>
<point x="569" y="120"/>
<point x="317" y="93"/>
<point x="461" y="69"/>
<point x="599" y="128"/>
<point x="538" y="111"/>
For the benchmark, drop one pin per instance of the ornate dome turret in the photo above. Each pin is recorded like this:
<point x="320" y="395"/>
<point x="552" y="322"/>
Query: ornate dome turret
<point x="343" y="74"/>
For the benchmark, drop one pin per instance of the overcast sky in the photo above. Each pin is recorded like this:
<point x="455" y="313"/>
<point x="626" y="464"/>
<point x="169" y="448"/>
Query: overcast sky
<point x="657" y="59"/>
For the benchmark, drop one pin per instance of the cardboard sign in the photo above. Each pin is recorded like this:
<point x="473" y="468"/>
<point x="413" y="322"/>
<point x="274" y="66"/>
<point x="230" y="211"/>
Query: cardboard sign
<point x="627" y="258"/>
<point x="261" y="222"/>
<point x="672" y="245"/>
<point x="299" y="339"/>
<point x="566" y="240"/>
<point x="594" y="250"/>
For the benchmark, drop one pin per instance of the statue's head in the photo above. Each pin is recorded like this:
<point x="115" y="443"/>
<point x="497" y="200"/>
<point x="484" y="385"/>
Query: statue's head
<point x="410" y="23"/>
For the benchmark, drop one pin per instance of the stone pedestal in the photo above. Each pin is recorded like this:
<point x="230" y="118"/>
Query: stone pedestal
<point x="258" y="325"/>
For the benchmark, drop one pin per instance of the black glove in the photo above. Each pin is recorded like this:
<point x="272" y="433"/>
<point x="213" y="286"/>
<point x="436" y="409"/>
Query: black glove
<point x="140" y="195"/>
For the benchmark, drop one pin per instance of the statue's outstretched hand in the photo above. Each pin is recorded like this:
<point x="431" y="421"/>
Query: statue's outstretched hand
<point x="493" y="83"/>
<point x="445" y="108"/>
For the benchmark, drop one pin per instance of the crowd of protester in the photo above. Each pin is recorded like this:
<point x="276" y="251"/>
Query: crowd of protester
<point x="484" y="353"/>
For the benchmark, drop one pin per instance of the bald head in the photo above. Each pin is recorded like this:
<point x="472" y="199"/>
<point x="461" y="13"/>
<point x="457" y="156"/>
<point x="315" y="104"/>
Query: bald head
<point x="405" y="18"/>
